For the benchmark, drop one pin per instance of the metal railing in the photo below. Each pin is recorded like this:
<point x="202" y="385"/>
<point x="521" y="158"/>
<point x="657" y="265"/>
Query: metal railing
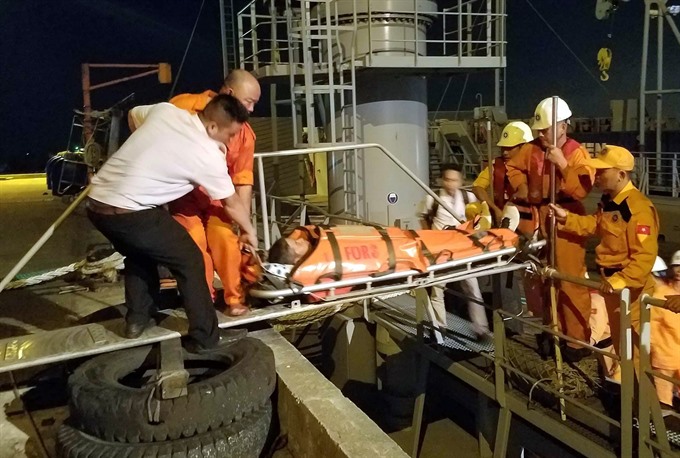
<point x="657" y="173"/>
<point x="648" y="403"/>
<point x="624" y="356"/>
<point x="365" y="148"/>
<point x="467" y="30"/>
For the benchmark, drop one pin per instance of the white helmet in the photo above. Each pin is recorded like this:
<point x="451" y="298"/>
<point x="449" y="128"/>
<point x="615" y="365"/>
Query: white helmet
<point x="659" y="265"/>
<point x="515" y="133"/>
<point x="675" y="260"/>
<point x="543" y="113"/>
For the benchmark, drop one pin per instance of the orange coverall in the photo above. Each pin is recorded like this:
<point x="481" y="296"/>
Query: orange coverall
<point x="665" y="344"/>
<point x="205" y="219"/>
<point x="628" y="227"/>
<point x="529" y="167"/>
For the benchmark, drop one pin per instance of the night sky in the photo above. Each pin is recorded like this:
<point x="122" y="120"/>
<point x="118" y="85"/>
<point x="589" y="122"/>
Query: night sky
<point x="43" y="43"/>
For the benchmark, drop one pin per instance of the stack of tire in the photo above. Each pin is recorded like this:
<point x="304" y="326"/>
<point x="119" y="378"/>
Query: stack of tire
<point x="115" y="411"/>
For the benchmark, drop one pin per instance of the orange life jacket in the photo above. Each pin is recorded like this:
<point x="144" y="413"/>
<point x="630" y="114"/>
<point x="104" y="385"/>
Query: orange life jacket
<point x="346" y="252"/>
<point x="500" y="182"/>
<point x="539" y="169"/>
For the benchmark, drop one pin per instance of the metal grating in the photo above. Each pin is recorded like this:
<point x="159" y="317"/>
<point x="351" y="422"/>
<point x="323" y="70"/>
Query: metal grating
<point x="458" y="335"/>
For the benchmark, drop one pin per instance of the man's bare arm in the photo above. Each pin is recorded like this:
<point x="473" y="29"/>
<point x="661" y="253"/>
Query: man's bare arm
<point x="245" y="193"/>
<point x="237" y="212"/>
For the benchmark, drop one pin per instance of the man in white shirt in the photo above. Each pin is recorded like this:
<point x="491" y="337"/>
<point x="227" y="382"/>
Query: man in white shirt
<point x="171" y="152"/>
<point x="434" y="216"/>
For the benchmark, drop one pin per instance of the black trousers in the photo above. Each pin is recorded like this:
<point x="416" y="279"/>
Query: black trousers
<point x="150" y="237"/>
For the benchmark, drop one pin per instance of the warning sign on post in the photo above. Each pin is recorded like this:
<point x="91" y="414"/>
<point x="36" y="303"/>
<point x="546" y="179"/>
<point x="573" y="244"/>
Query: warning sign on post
<point x="392" y="198"/>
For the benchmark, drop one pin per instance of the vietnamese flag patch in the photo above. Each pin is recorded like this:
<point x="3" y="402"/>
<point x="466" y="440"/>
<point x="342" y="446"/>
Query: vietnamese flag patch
<point x="642" y="232"/>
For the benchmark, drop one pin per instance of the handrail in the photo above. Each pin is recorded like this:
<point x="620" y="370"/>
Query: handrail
<point x="482" y="37"/>
<point x="331" y="148"/>
<point x="624" y="352"/>
<point x="648" y="402"/>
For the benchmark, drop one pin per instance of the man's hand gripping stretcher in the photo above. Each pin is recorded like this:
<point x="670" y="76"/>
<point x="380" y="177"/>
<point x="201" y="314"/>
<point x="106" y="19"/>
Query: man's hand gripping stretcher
<point x="316" y="263"/>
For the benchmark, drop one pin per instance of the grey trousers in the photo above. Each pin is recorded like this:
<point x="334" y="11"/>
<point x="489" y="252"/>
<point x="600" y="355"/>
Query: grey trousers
<point x="470" y="288"/>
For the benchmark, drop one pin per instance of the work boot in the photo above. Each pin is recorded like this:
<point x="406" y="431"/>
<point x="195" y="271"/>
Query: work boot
<point x="135" y="329"/>
<point x="227" y="337"/>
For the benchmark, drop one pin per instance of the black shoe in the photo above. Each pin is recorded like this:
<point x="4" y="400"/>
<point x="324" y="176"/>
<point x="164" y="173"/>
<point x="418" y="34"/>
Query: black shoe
<point x="574" y="355"/>
<point x="134" y="330"/>
<point x="227" y="337"/>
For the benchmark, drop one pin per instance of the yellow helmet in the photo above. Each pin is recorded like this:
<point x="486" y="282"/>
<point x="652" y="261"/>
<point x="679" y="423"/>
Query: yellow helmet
<point x="543" y="113"/>
<point x="515" y="133"/>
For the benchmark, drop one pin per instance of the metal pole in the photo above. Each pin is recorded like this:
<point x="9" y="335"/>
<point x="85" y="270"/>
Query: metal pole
<point x="659" y="96"/>
<point x="223" y="32"/>
<point x="643" y="77"/>
<point x="263" y="203"/>
<point x="87" y="104"/>
<point x="489" y="155"/>
<point x="42" y="240"/>
<point x="552" y="237"/>
<point x="627" y="376"/>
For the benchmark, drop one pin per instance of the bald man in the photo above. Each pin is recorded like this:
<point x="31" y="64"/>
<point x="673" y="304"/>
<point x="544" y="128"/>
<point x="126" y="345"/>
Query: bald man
<point x="205" y="219"/>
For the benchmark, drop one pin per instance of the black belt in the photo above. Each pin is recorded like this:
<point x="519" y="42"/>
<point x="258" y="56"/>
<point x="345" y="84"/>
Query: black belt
<point x="105" y="209"/>
<point x="609" y="271"/>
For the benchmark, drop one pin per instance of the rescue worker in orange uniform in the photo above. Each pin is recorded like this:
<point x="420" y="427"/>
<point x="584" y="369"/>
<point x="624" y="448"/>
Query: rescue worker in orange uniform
<point x="665" y="335"/>
<point x="513" y="136"/>
<point x="204" y="219"/>
<point x="529" y="175"/>
<point x="628" y="227"/>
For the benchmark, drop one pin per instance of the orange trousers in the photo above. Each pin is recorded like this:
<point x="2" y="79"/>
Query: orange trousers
<point x="573" y="301"/>
<point x="213" y="232"/>
<point x="664" y="388"/>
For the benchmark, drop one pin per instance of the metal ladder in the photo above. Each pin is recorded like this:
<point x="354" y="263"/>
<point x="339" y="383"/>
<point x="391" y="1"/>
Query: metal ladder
<point x="228" y="31"/>
<point x="327" y="88"/>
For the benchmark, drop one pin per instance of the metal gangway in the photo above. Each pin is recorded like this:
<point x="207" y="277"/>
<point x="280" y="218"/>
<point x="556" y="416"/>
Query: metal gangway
<point x="577" y="424"/>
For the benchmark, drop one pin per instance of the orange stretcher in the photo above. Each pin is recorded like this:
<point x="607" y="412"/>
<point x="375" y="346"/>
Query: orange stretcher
<point x="354" y="260"/>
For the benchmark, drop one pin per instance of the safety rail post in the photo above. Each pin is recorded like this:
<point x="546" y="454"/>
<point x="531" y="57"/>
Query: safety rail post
<point x="422" y="305"/>
<point x="504" y="415"/>
<point x="647" y="399"/>
<point x="627" y="374"/>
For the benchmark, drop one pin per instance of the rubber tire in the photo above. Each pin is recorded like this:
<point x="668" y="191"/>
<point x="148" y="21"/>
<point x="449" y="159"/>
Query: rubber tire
<point x="243" y="438"/>
<point x="107" y="409"/>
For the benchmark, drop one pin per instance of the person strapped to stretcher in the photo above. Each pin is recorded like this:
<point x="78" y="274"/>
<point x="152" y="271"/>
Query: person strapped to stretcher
<point x="324" y="254"/>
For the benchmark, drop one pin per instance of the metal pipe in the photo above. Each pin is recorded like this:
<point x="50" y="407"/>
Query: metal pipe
<point x="365" y="146"/>
<point x="42" y="240"/>
<point x="87" y="104"/>
<point x="663" y="91"/>
<point x="263" y="202"/>
<point x="223" y="32"/>
<point x="566" y="338"/>
<point x="551" y="273"/>
<point x="646" y="299"/>
<point x="489" y="156"/>
<point x="659" y="96"/>
<point x="552" y="236"/>
<point x="643" y="77"/>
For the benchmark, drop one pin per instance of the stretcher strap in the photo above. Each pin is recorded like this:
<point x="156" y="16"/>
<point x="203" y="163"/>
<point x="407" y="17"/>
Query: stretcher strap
<point x="337" y="260"/>
<point x="474" y="237"/>
<point x="426" y="251"/>
<point x="391" y="256"/>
